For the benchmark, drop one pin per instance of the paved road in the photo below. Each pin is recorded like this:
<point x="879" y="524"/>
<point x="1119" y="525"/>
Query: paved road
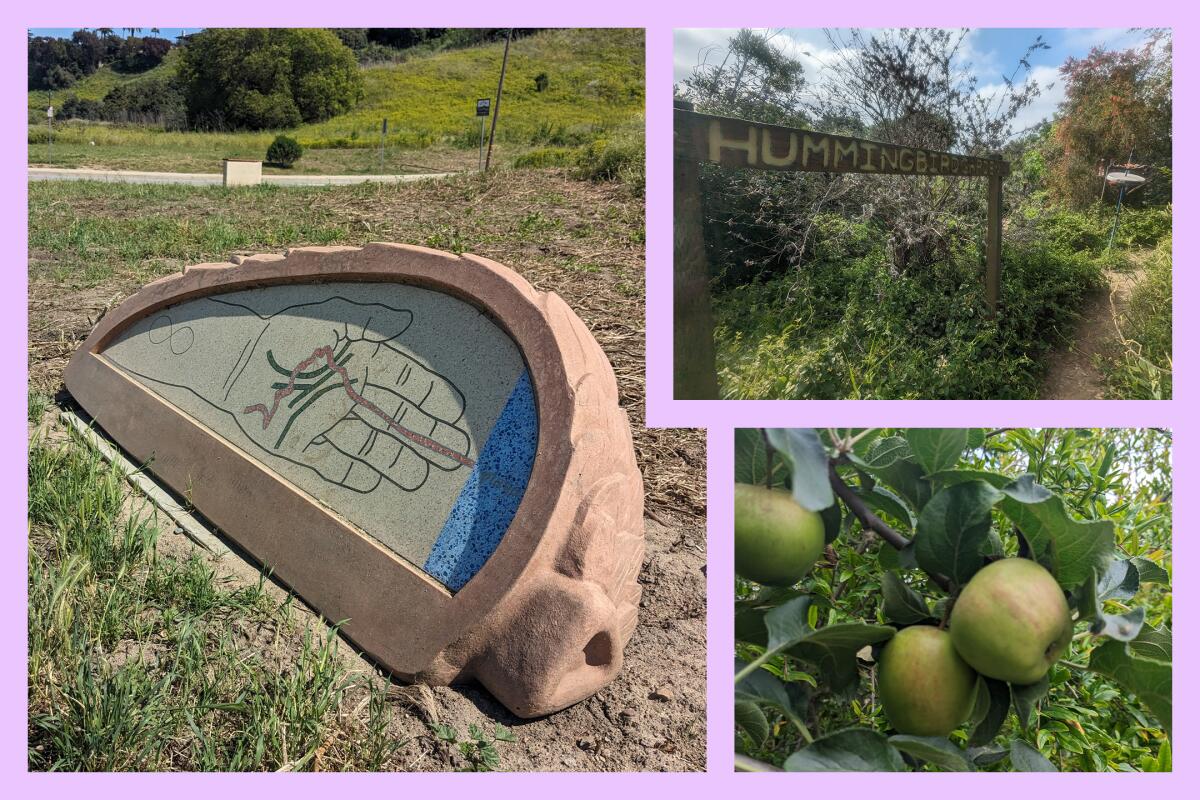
<point x="214" y="179"/>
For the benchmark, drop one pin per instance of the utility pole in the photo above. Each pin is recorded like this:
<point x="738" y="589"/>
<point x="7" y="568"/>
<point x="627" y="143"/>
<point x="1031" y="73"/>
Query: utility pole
<point x="499" y="91"/>
<point x="50" y="131"/>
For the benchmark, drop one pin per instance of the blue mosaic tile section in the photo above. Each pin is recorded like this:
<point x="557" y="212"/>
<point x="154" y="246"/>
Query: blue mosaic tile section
<point x="489" y="500"/>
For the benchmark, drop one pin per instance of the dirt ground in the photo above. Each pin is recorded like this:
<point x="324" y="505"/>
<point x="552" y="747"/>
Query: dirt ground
<point x="653" y="716"/>
<point x="1073" y="372"/>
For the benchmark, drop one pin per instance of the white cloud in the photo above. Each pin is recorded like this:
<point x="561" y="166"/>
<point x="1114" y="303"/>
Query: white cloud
<point x="812" y="48"/>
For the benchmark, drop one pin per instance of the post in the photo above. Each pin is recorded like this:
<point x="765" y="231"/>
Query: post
<point x="382" y="144"/>
<point x="1113" y="233"/>
<point x="695" y="358"/>
<point x="499" y="91"/>
<point x="992" y="281"/>
<point x="482" y="123"/>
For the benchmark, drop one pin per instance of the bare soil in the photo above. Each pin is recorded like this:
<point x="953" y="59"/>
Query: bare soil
<point x="1073" y="370"/>
<point x="582" y="240"/>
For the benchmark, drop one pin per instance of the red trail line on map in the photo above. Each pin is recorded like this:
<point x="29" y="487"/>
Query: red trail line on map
<point x="326" y="352"/>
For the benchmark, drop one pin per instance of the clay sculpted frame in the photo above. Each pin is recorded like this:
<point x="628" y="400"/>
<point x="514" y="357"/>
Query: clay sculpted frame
<point x="544" y="622"/>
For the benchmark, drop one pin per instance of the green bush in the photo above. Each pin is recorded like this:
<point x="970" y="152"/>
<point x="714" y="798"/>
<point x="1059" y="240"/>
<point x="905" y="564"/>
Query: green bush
<point x="547" y="157"/>
<point x="284" y="151"/>
<point x="614" y="160"/>
<point x="848" y="327"/>
<point x="260" y="78"/>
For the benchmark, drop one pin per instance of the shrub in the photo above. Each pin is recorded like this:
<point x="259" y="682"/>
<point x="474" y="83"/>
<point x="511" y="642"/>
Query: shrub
<point x="547" y="157"/>
<point x="82" y="108"/>
<point x="153" y="100"/>
<point x="268" y="77"/>
<point x="284" y="151"/>
<point x="541" y="82"/>
<point x="609" y="160"/>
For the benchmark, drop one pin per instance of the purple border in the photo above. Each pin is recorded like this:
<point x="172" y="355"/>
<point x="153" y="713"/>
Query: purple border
<point x="659" y="19"/>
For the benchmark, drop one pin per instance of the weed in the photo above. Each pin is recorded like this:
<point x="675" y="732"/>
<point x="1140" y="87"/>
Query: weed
<point x="479" y="748"/>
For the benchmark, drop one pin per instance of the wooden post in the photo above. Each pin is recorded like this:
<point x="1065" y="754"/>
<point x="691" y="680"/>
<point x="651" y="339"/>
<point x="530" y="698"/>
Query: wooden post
<point x="992" y="282"/>
<point x="695" y="359"/>
<point x="499" y="93"/>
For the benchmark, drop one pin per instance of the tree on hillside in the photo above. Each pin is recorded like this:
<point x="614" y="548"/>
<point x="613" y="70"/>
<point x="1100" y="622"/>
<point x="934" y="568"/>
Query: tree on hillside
<point x="267" y="77"/>
<point x="1115" y="102"/>
<point x="138" y="54"/>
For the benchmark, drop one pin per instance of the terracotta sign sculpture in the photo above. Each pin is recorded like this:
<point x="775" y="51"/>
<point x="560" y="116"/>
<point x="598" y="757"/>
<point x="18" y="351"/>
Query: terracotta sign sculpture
<point x="416" y="442"/>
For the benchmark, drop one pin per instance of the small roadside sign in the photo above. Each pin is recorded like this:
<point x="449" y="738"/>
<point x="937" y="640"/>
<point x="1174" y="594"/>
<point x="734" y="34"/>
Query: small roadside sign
<point x="50" y="112"/>
<point x="483" y="107"/>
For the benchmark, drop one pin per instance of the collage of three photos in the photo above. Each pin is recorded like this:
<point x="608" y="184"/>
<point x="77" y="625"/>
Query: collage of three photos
<point x="344" y="454"/>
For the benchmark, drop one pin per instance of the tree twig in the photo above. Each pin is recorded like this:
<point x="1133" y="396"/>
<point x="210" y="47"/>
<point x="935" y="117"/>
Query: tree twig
<point x="871" y="521"/>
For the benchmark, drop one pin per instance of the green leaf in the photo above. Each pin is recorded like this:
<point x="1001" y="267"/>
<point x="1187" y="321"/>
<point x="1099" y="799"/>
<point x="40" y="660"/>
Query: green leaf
<point x="891" y="558"/>
<point x="1149" y="679"/>
<point x="950" y="477"/>
<point x="1027" y="759"/>
<point x="832" y="519"/>
<point x="975" y="438"/>
<point x="1026" y="698"/>
<point x="751" y="719"/>
<point x="883" y="500"/>
<point x="832" y="648"/>
<point x="937" y="449"/>
<point x="744" y="763"/>
<point x="504" y="734"/>
<point x="1068" y="548"/>
<point x="809" y="463"/>
<point x="991" y="709"/>
<point x="891" y="460"/>
<point x="762" y="688"/>
<point x="934" y="749"/>
<point x="886" y="451"/>
<point x="901" y="604"/>
<point x="1152" y="643"/>
<point x="953" y="530"/>
<point x="750" y="456"/>
<point x="1150" y="572"/>
<point x="1119" y="582"/>
<point x="987" y="755"/>
<point x="1124" y="627"/>
<point x="851" y="750"/>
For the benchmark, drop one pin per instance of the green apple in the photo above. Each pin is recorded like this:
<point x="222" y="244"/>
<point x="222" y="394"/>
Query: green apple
<point x="1011" y="621"/>
<point x="925" y="687"/>
<point x="776" y="541"/>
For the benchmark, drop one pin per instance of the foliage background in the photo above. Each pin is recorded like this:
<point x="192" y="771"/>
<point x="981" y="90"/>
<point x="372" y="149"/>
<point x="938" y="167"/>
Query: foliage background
<point x="861" y="286"/>
<point x="1087" y="722"/>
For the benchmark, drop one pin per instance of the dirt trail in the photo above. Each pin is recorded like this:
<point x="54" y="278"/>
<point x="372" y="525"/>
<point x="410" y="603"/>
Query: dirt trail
<point x="1072" y="372"/>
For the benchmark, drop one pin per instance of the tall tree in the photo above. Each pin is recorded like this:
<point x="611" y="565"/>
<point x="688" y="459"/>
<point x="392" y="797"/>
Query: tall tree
<point x="1116" y="102"/>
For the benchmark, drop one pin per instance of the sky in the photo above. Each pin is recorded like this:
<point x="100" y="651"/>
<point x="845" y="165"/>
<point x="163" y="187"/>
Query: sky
<point x="65" y="33"/>
<point x="993" y="52"/>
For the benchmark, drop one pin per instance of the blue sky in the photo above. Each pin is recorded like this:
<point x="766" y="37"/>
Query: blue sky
<point x="65" y="33"/>
<point x="993" y="53"/>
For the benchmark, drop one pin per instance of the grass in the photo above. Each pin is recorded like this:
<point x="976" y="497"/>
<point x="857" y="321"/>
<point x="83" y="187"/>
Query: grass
<point x="596" y="91"/>
<point x="844" y="325"/>
<point x="1142" y="367"/>
<point x="134" y="662"/>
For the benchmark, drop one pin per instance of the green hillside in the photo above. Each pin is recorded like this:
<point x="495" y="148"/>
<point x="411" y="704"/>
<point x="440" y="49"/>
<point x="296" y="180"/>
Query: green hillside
<point x="595" y="90"/>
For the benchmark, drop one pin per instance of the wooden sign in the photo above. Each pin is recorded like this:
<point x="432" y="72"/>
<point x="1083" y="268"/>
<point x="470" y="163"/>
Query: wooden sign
<point x="737" y="143"/>
<point x="416" y="442"/>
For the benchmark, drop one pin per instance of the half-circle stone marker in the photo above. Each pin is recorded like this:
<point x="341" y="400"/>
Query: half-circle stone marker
<point x="416" y="442"/>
